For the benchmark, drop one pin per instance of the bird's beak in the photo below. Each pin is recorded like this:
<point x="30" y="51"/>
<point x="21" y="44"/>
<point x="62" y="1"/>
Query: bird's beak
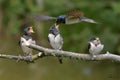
<point x="31" y="30"/>
<point x="99" y="42"/>
<point x="88" y="20"/>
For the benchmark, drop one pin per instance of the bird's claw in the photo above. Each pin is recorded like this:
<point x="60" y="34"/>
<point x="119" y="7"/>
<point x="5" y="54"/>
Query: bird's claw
<point x="93" y="57"/>
<point x="53" y="54"/>
<point x="19" y="57"/>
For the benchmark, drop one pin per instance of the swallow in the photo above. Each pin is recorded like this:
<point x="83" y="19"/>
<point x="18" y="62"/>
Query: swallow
<point x="55" y="39"/>
<point x="74" y="16"/>
<point x="95" y="46"/>
<point x="27" y="39"/>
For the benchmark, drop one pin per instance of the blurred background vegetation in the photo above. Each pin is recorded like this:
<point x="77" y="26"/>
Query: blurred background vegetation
<point x="15" y="15"/>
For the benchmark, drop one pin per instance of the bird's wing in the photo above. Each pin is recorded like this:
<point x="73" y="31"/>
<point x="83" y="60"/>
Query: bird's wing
<point x="74" y="14"/>
<point x="89" y="45"/>
<point x="48" y="39"/>
<point x="43" y="17"/>
<point x="77" y="16"/>
<point x="88" y="20"/>
<point x="19" y="43"/>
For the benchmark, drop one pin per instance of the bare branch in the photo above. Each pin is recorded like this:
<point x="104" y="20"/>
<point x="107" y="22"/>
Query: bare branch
<point x="81" y="56"/>
<point x="44" y="52"/>
<point x="28" y="59"/>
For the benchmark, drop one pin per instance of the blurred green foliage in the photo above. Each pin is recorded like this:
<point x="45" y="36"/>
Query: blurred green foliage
<point x="16" y="14"/>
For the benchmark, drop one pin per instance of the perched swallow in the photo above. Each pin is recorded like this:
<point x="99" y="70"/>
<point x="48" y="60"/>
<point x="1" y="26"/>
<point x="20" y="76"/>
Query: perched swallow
<point x="95" y="46"/>
<point x="71" y="17"/>
<point x="55" y="39"/>
<point x="27" y="39"/>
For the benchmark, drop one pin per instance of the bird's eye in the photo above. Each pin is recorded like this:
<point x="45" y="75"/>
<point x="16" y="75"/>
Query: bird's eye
<point x="29" y="28"/>
<point x="98" y="40"/>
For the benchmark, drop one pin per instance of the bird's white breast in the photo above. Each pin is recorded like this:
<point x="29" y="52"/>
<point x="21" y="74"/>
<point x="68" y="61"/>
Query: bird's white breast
<point x="95" y="49"/>
<point x="55" y="41"/>
<point x="26" y="49"/>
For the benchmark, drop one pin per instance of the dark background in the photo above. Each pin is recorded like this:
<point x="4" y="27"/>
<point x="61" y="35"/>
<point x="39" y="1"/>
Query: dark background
<point x="15" y="15"/>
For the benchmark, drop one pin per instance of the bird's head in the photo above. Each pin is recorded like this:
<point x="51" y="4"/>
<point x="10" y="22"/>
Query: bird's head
<point x="60" y="19"/>
<point x="28" y="31"/>
<point x="95" y="40"/>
